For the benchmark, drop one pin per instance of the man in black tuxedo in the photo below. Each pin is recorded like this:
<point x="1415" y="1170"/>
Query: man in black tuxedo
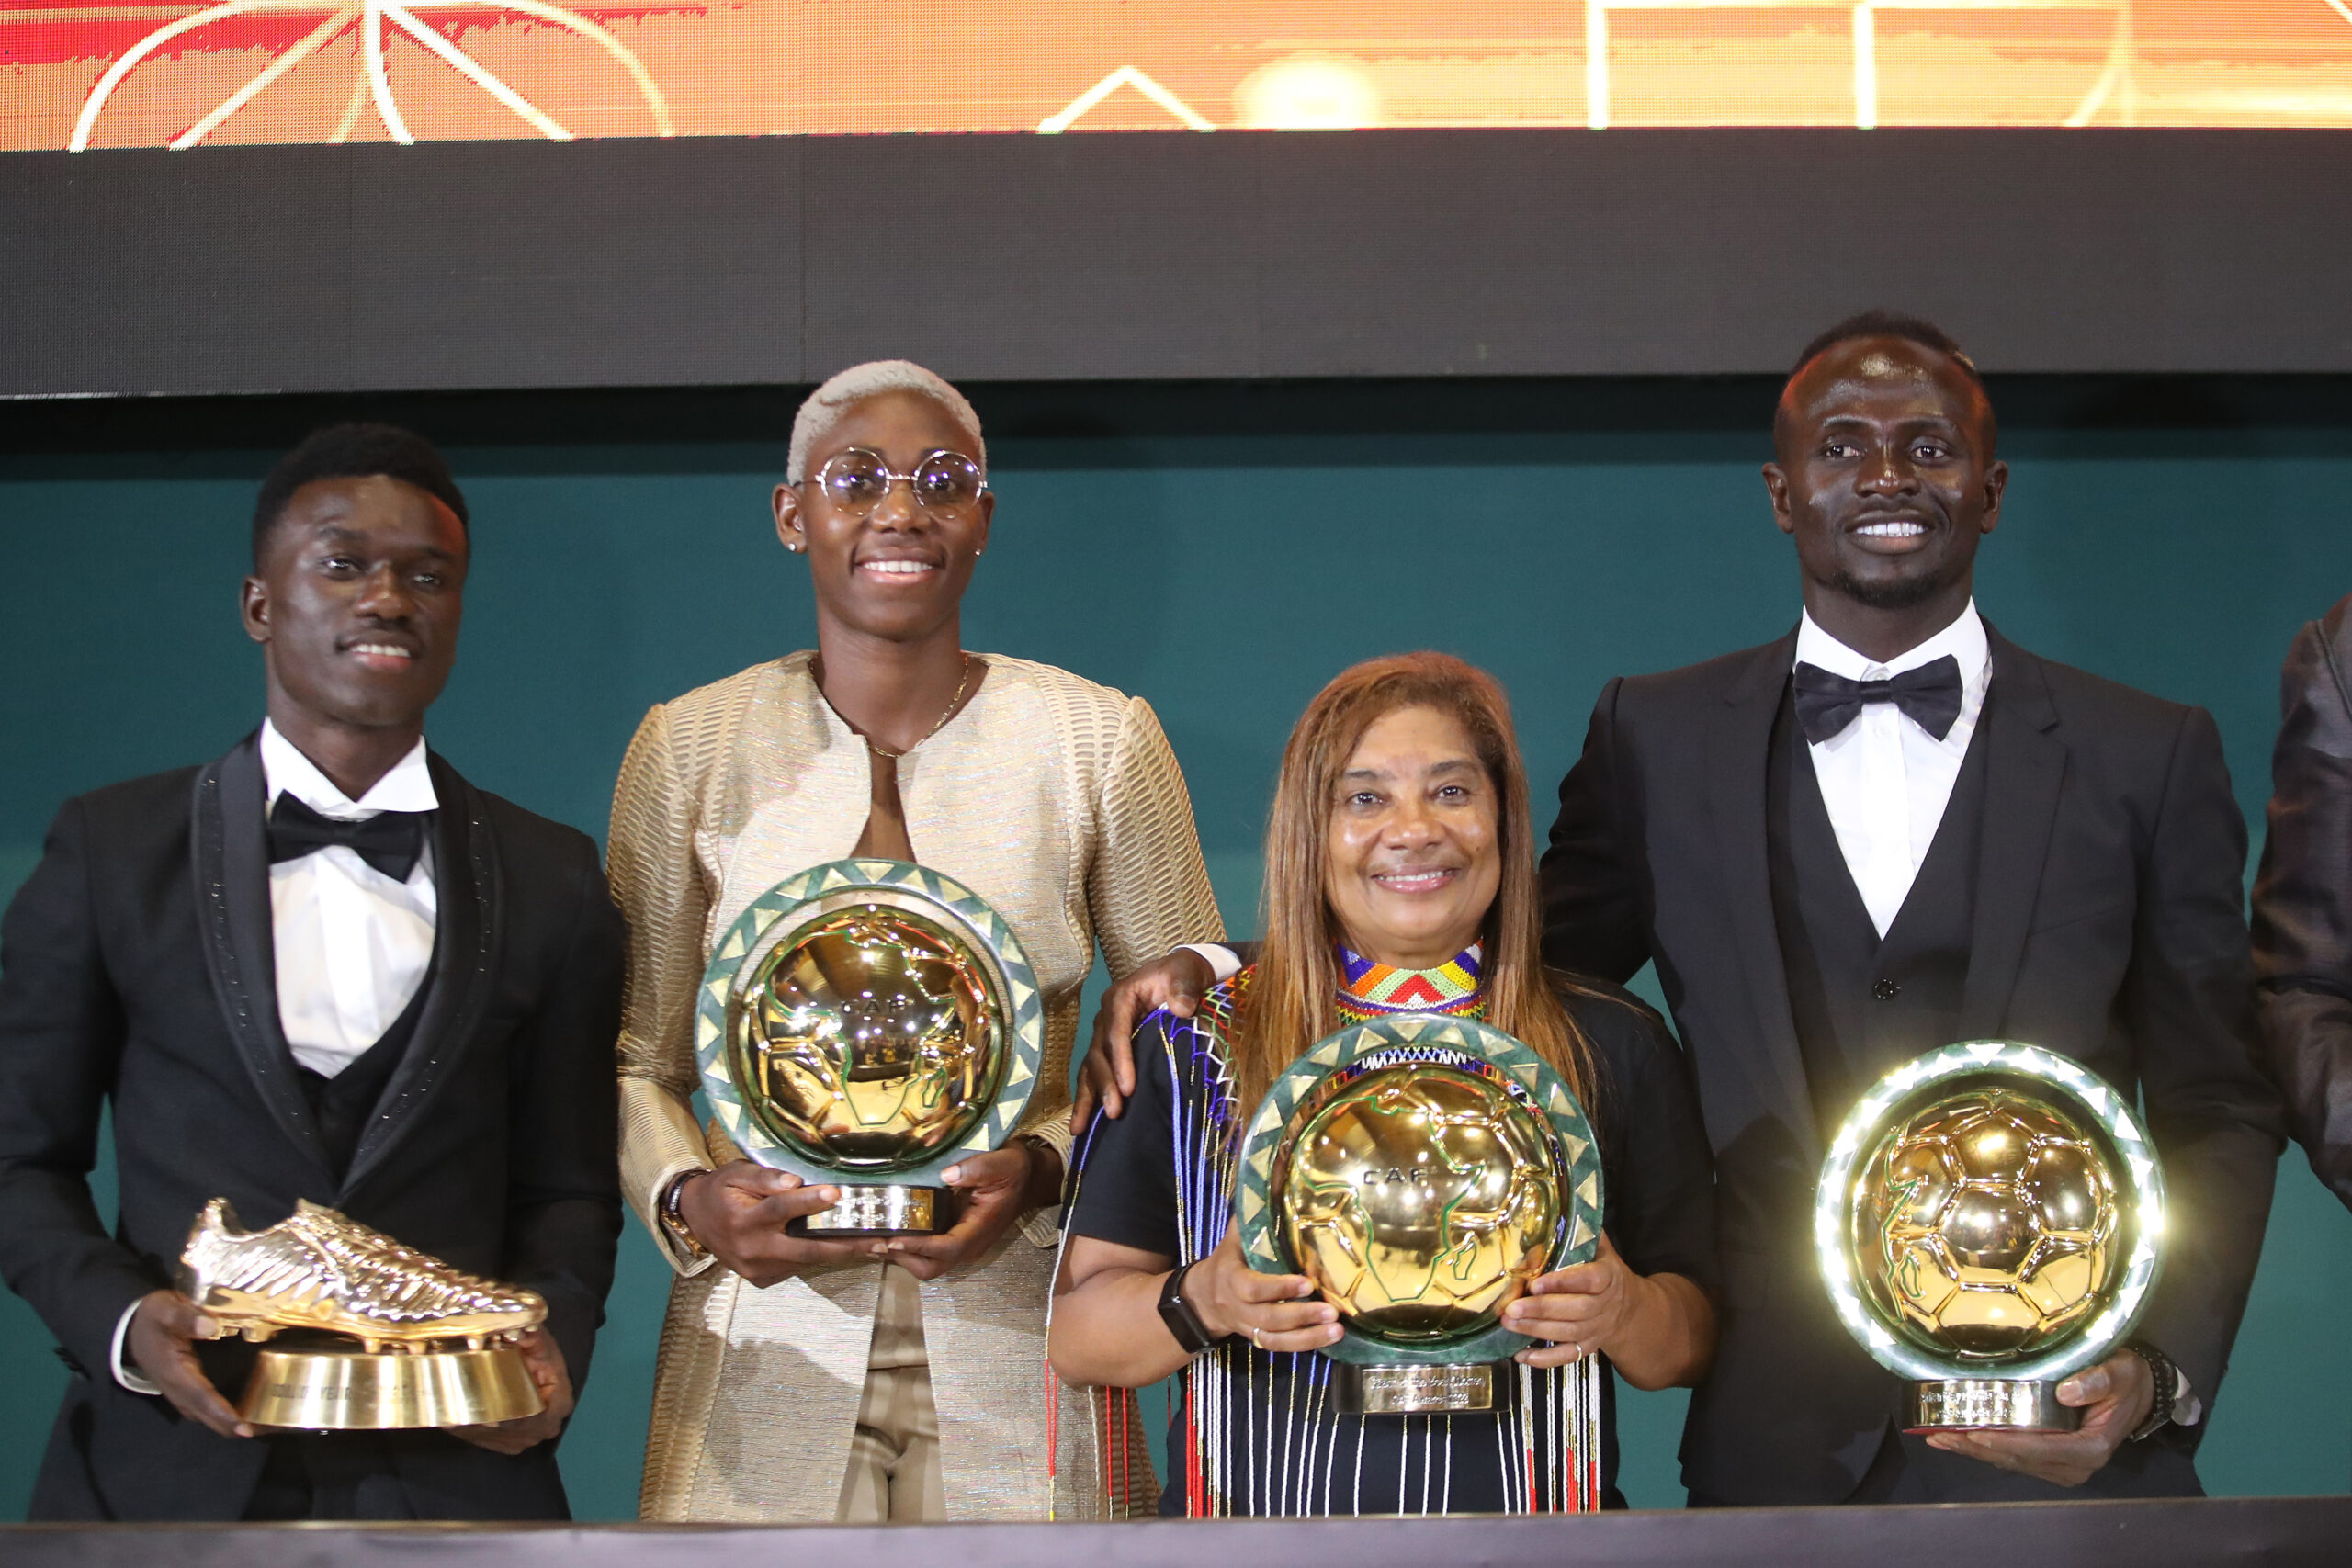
<point x="323" y="966"/>
<point x="1891" y="830"/>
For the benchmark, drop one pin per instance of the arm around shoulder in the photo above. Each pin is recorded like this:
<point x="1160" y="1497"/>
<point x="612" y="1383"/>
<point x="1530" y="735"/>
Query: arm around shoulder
<point x="1593" y="918"/>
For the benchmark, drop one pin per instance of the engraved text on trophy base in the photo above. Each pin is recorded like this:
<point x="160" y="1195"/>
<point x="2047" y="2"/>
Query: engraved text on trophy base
<point x="1998" y="1403"/>
<point x="1412" y="1389"/>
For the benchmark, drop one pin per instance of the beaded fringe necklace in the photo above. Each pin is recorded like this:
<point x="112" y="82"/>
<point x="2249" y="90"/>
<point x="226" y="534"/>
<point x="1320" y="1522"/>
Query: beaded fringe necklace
<point x="1240" y="1452"/>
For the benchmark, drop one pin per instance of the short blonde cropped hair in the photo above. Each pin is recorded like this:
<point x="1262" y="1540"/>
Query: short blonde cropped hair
<point x="872" y="378"/>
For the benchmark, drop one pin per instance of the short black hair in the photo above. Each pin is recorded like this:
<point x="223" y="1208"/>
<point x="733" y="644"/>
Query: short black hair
<point x="1893" y="324"/>
<point x="1887" y="323"/>
<point x="355" y="452"/>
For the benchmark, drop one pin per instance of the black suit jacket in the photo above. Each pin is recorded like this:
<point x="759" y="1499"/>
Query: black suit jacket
<point x="136" y="973"/>
<point x="2303" y="898"/>
<point x="2109" y="925"/>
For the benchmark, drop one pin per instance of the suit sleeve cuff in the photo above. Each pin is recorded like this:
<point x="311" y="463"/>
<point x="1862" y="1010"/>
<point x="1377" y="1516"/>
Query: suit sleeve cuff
<point x="1223" y="963"/>
<point x="124" y="1374"/>
<point x="2188" y="1410"/>
<point x="1043" y="1227"/>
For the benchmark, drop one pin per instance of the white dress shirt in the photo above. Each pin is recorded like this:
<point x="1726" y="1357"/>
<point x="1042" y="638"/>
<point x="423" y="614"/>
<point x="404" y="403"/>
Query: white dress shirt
<point x="352" y="944"/>
<point x="1884" y="780"/>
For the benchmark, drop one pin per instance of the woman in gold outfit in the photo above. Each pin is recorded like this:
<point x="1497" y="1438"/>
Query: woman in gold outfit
<point x="865" y="1381"/>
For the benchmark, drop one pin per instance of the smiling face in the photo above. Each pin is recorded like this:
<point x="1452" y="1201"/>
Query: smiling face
<point x="1885" y="475"/>
<point x="356" y="602"/>
<point x="1412" y="852"/>
<point x="898" y="573"/>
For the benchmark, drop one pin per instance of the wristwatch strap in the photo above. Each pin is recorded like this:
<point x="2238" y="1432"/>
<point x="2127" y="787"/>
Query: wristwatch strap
<point x="673" y="1219"/>
<point x="1177" y="1312"/>
<point x="2167" y="1380"/>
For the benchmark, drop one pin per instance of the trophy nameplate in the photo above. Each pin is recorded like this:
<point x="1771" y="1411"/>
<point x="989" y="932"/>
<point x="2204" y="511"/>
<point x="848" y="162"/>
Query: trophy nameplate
<point x="1422" y="1172"/>
<point x="1989" y="1223"/>
<point x="864" y="1025"/>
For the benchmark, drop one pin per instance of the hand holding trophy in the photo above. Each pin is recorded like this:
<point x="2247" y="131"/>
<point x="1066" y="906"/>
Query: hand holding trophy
<point x="1989" y="1221"/>
<point x="1422" y="1172"/>
<point x="865" y="1024"/>
<point x="435" y="1346"/>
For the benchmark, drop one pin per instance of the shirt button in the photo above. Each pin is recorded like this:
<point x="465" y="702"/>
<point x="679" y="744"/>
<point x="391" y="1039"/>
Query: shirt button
<point x="1886" y="990"/>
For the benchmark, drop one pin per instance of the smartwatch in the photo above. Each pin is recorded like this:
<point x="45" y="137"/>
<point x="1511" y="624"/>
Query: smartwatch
<point x="2167" y="1378"/>
<point x="1177" y="1312"/>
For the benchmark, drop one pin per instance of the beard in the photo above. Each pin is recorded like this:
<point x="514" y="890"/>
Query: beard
<point x="1891" y="593"/>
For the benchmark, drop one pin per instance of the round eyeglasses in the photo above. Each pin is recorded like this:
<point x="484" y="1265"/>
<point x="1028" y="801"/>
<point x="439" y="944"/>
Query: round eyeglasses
<point x="946" y="484"/>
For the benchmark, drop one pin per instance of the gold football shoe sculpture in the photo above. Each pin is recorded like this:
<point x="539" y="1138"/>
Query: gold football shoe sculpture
<point x="436" y="1342"/>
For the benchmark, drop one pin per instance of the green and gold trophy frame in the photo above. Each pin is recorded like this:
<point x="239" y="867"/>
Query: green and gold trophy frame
<point x="1990" y="1221"/>
<point x="865" y="1024"/>
<point x="1422" y="1171"/>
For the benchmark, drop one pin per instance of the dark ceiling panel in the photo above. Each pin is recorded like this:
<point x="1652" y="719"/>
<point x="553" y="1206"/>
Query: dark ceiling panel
<point x="1162" y="256"/>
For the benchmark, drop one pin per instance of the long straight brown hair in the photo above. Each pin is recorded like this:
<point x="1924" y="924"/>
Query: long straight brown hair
<point x="1292" y="997"/>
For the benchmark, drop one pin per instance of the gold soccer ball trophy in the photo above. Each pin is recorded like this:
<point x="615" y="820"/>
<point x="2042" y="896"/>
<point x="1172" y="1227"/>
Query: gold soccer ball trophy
<point x="1988" y="1223"/>
<point x="1422" y="1172"/>
<point x="867" y="1023"/>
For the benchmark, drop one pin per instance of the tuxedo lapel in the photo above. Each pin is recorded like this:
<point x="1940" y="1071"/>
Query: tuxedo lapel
<point x="230" y="844"/>
<point x="464" y="960"/>
<point x="1737" y="748"/>
<point x="2025" y="764"/>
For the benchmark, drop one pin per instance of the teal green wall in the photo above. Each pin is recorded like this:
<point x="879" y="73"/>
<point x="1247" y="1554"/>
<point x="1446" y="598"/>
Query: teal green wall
<point x="1225" y="577"/>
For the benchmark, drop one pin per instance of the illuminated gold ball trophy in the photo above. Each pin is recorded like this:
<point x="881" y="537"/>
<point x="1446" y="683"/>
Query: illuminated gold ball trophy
<point x="1422" y="1172"/>
<point x="1989" y="1223"/>
<point x="865" y="1024"/>
<point x="364" y="1334"/>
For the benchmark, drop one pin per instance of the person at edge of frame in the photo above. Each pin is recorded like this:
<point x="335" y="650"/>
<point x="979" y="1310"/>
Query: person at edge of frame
<point x="2303" y="898"/>
<point x="324" y="967"/>
<point x="1889" y="830"/>
<point x="863" y="1380"/>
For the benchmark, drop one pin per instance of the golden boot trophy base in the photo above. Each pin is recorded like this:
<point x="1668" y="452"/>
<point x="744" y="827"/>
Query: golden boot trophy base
<point x="1414" y="1388"/>
<point x="1989" y="1404"/>
<point x="329" y="1388"/>
<point x="875" y="1212"/>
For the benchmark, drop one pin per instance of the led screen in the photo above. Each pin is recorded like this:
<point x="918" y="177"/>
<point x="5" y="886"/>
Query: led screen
<point x="82" y="73"/>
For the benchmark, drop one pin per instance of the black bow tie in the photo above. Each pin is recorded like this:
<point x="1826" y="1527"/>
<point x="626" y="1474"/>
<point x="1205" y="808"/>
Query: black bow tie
<point x="1928" y="696"/>
<point x="389" y="841"/>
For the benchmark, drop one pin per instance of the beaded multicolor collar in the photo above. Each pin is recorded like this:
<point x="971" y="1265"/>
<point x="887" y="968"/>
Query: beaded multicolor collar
<point x="1370" y="991"/>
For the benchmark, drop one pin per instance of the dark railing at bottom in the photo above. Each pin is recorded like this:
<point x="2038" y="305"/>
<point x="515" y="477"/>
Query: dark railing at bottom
<point x="2016" y="1535"/>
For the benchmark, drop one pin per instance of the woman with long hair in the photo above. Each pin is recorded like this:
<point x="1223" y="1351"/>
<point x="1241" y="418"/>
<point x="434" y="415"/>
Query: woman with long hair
<point x="1400" y="878"/>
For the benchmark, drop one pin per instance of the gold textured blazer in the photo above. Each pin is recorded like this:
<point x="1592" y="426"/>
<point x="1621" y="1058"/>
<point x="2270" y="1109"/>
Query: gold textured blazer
<point x="1058" y="801"/>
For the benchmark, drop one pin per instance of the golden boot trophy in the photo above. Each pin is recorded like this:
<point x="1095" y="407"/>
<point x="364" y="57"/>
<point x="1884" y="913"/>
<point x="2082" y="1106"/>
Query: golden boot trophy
<point x="864" y="1025"/>
<point x="435" y="1346"/>
<point x="1990" y="1222"/>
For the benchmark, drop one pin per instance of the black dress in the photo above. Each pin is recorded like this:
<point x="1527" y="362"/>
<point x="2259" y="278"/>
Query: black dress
<point x="1282" y="1448"/>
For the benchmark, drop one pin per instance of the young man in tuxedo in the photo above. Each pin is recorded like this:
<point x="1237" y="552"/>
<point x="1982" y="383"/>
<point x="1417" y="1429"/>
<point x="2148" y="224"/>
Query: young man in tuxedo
<point x="322" y="967"/>
<point x="1891" y="830"/>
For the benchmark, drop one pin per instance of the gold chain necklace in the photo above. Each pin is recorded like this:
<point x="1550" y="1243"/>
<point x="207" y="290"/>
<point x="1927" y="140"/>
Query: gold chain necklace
<point x="962" y="681"/>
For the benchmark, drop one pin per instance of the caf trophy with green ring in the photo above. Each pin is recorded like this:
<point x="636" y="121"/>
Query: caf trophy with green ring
<point x="865" y="1024"/>
<point x="1990" y="1221"/>
<point x="1422" y="1171"/>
